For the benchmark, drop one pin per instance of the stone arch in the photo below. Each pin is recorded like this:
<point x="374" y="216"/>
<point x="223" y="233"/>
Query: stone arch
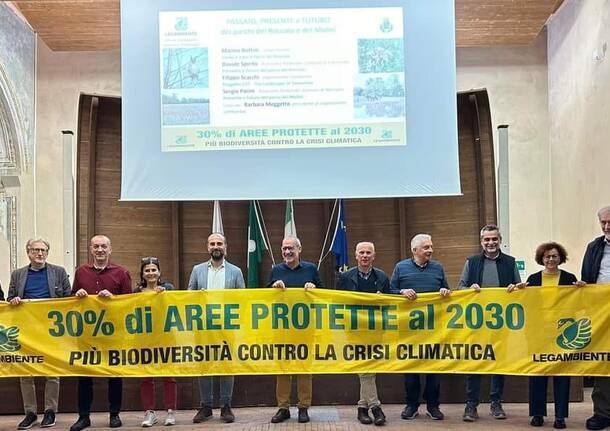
<point x="14" y="156"/>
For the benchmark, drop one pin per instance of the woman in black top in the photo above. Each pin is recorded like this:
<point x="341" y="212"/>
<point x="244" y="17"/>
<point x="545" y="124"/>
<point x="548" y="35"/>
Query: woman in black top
<point x="550" y="255"/>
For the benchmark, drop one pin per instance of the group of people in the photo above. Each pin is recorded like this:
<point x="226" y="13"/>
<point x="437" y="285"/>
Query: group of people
<point x="418" y="274"/>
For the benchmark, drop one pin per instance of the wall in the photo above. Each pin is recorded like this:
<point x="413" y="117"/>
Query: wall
<point x="516" y="80"/>
<point x="62" y="77"/>
<point x="579" y="86"/>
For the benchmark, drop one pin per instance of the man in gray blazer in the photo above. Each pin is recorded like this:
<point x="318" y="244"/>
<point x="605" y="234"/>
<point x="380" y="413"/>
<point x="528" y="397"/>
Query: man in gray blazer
<point x="38" y="280"/>
<point x="216" y="273"/>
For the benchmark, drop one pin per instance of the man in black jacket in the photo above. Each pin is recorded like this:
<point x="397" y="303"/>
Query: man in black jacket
<point x="596" y="269"/>
<point x="491" y="268"/>
<point x="366" y="278"/>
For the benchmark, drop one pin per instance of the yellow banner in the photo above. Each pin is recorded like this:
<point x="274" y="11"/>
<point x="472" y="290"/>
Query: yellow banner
<point x="551" y="330"/>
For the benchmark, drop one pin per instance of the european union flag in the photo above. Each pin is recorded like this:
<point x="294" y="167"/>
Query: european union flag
<point x="339" y="244"/>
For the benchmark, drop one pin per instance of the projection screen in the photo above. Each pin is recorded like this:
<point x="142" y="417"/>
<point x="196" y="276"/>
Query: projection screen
<point x="239" y="100"/>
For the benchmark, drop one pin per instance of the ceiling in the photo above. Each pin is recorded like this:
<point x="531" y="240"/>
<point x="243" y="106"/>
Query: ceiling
<point x="93" y="25"/>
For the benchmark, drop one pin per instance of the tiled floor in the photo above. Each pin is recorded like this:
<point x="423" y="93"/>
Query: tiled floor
<point x="332" y="418"/>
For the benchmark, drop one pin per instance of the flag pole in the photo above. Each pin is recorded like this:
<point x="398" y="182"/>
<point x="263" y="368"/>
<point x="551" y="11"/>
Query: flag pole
<point x="322" y="255"/>
<point x="258" y="211"/>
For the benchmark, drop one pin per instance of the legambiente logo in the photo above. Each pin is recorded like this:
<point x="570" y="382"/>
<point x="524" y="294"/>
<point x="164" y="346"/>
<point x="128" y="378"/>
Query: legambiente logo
<point x="575" y="334"/>
<point x="8" y="339"/>
<point x="181" y="23"/>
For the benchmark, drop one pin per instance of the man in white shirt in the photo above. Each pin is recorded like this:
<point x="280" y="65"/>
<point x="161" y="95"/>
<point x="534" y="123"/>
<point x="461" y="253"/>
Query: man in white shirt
<point x="216" y="273"/>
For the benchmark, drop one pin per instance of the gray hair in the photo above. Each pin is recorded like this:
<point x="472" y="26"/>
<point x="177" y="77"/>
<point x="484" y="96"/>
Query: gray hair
<point x="293" y="238"/>
<point x="417" y="239"/>
<point x="367" y="243"/>
<point x="489" y="228"/>
<point x="31" y="241"/>
<point x="603" y="211"/>
<point x="104" y="237"/>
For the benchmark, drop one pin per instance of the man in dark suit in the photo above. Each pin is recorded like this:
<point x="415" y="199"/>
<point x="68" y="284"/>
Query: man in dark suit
<point x="596" y="270"/>
<point x="366" y="278"/>
<point x="38" y="280"/>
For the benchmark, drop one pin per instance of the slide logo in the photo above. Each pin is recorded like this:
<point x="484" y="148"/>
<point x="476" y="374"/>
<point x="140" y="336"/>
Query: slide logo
<point x="182" y="23"/>
<point x="8" y="339"/>
<point x="576" y="335"/>
<point x="386" y="26"/>
<point x="386" y="134"/>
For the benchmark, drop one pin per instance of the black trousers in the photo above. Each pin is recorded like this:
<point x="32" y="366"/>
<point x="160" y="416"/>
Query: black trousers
<point x="561" y="392"/>
<point x="431" y="390"/>
<point x="85" y="395"/>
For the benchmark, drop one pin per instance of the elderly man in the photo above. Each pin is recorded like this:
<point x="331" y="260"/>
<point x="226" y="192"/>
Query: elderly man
<point x="293" y="272"/>
<point x="104" y="279"/>
<point x="366" y="278"/>
<point x="420" y="274"/>
<point x="491" y="268"/>
<point x="216" y="273"/>
<point x="38" y="280"/>
<point x="596" y="269"/>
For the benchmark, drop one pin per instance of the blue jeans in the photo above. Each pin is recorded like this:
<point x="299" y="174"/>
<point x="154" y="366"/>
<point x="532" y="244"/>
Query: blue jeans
<point x="206" y="390"/>
<point x="473" y="389"/>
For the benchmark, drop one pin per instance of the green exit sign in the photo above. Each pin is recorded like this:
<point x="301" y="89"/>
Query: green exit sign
<point x="520" y="265"/>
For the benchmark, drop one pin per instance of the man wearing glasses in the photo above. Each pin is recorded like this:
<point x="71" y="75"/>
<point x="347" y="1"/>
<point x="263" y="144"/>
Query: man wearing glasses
<point x="38" y="280"/>
<point x="104" y="279"/>
<point x="293" y="272"/>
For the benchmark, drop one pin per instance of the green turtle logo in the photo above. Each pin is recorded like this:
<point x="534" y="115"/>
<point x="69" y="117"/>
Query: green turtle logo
<point x="8" y="339"/>
<point x="576" y="334"/>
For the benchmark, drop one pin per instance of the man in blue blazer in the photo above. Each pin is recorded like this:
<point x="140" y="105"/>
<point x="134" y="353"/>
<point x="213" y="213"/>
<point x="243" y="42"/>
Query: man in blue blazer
<point x="216" y="273"/>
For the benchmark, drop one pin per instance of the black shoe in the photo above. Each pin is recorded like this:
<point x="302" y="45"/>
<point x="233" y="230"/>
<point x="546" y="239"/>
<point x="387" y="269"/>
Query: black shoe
<point x="82" y="423"/>
<point x="597" y="422"/>
<point x="363" y="416"/>
<point x="435" y="413"/>
<point x="115" y="421"/>
<point x="48" y="419"/>
<point x="226" y="415"/>
<point x="203" y="414"/>
<point x="409" y="412"/>
<point x="559" y="423"/>
<point x="496" y="410"/>
<point x="378" y="416"/>
<point x="281" y="415"/>
<point x="28" y="421"/>
<point x="537" y="421"/>
<point x="470" y="414"/>
<point x="303" y="415"/>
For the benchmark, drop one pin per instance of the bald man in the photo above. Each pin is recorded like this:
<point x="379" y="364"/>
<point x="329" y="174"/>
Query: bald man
<point x="366" y="278"/>
<point x="216" y="273"/>
<point x="104" y="279"/>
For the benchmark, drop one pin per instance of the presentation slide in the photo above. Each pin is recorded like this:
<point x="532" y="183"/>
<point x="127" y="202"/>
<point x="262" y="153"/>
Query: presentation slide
<point x="245" y="99"/>
<point x="272" y="79"/>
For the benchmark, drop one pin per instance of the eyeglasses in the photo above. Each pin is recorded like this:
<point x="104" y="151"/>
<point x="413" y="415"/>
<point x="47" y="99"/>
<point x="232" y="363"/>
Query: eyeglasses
<point x="39" y="250"/>
<point x="150" y="259"/>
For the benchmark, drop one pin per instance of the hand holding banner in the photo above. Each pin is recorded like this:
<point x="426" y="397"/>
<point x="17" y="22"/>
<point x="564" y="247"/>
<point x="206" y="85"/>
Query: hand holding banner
<point x="534" y="331"/>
